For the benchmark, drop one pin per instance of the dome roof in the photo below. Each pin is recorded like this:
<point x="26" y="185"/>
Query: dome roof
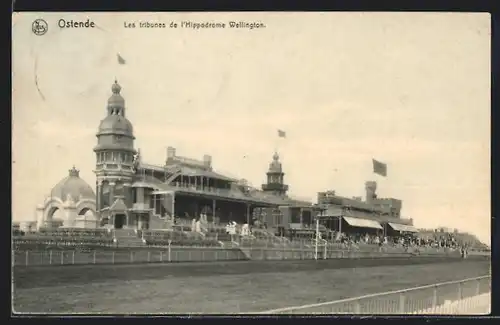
<point x="116" y="99"/>
<point x="116" y="124"/>
<point x="275" y="166"/>
<point x="73" y="185"/>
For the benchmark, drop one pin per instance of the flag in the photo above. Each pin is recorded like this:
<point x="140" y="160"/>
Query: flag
<point x="120" y="59"/>
<point x="281" y="134"/>
<point x="379" y="168"/>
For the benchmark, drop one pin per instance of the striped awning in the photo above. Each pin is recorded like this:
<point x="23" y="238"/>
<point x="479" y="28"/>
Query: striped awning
<point x="403" y="228"/>
<point x="362" y="223"/>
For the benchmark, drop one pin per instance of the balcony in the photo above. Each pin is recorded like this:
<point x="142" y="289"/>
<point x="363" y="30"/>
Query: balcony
<point x="275" y="187"/>
<point x="227" y="193"/>
<point x="141" y="207"/>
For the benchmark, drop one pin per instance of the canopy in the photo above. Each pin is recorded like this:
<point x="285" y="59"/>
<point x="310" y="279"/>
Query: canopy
<point x="403" y="228"/>
<point x="362" y="223"/>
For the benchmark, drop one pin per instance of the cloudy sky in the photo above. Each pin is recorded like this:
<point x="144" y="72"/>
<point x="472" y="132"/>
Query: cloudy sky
<point x="412" y="90"/>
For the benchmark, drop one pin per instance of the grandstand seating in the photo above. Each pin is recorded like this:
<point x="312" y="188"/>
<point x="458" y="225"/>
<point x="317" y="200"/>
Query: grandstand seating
<point x="211" y="236"/>
<point x="64" y="237"/>
<point x="176" y="238"/>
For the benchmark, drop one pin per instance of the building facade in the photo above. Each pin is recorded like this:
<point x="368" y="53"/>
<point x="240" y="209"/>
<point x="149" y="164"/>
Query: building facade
<point x="133" y="194"/>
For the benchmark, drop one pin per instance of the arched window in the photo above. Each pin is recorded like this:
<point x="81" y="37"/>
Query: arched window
<point x="105" y="195"/>
<point x="119" y="191"/>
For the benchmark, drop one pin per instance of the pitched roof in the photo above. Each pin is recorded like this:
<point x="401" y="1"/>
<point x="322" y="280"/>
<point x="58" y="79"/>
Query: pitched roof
<point x="118" y="206"/>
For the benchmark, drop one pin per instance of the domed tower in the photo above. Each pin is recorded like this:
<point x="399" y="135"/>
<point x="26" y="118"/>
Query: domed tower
<point x="275" y="178"/>
<point x="114" y="160"/>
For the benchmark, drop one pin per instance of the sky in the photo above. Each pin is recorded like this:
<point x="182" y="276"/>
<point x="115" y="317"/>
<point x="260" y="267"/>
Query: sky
<point x="409" y="89"/>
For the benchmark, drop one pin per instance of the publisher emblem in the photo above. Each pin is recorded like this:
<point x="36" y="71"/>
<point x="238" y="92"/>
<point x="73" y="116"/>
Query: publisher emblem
<point x="39" y="27"/>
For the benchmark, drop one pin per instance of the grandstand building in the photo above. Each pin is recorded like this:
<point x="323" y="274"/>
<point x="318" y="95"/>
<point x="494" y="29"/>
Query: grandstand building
<point x="130" y="193"/>
<point x="373" y="214"/>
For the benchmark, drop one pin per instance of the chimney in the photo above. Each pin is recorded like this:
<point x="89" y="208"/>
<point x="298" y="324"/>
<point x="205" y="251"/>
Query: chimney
<point x="371" y="189"/>
<point x="170" y="153"/>
<point x="207" y="161"/>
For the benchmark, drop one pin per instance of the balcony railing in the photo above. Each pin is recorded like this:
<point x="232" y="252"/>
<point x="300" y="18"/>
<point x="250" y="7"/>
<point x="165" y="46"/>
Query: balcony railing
<point x="229" y="193"/>
<point x="141" y="207"/>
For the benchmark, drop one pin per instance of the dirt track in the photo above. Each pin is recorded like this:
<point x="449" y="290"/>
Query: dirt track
<point x="43" y="276"/>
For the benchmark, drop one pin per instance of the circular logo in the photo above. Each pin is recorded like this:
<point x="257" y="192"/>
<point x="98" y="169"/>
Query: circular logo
<point x="39" y="27"/>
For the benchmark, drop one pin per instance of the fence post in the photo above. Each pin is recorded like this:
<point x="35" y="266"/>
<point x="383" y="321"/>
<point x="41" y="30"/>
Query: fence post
<point x="62" y="257"/>
<point x="402" y="303"/>
<point x="478" y="286"/>
<point x="169" y="250"/>
<point x="161" y="256"/>
<point x="50" y="257"/>
<point x="202" y="255"/>
<point x="131" y="257"/>
<point x="357" y="307"/>
<point x="434" y="297"/>
<point x="149" y="256"/>
<point x="73" y="258"/>
<point x="27" y="257"/>
<point x="94" y="257"/>
<point x="460" y="290"/>
<point x="113" y="257"/>
<point x="326" y="251"/>
<point x="227" y="255"/>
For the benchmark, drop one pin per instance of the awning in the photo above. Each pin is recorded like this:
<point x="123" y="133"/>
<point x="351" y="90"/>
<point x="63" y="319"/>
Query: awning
<point x="362" y="223"/>
<point x="404" y="228"/>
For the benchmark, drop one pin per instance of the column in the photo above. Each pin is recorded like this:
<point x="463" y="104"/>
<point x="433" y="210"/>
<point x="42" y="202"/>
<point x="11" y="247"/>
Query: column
<point x="128" y="200"/>
<point x="301" y="218"/>
<point x="111" y="193"/>
<point x="248" y="213"/>
<point x="98" y="199"/>
<point x="154" y="203"/>
<point x="111" y="201"/>
<point x="140" y="195"/>
<point x="214" y="216"/>
<point x="39" y="217"/>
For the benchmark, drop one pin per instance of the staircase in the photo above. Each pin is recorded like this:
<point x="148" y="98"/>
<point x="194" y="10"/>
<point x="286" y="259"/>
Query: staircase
<point x="127" y="238"/>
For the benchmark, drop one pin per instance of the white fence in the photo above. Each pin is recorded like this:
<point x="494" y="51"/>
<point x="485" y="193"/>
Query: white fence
<point x="469" y="296"/>
<point x="182" y="254"/>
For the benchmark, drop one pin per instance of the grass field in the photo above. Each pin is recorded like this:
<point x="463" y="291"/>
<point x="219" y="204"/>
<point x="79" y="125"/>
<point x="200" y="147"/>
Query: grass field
<point x="223" y="287"/>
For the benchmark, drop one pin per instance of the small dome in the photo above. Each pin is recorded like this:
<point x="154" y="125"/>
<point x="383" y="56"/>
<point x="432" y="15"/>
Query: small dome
<point x="116" y="100"/>
<point x="275" y="166"/>
<point x="116" y="88"/>
<point x="116" y="124"/>
<point x="73" y="186"/>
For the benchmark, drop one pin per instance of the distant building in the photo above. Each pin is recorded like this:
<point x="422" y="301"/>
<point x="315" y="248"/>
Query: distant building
<point x="376" y="214"/>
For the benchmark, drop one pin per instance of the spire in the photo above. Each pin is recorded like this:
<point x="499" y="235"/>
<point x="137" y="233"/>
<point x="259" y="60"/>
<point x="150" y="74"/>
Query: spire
<point x="73" y="172"/>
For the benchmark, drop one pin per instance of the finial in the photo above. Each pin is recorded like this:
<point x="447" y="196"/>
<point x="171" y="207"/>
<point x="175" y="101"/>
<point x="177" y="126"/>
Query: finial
<point x="73" y="172"/>
<point x="276" y="157"/>
<point x="116" y="88"/>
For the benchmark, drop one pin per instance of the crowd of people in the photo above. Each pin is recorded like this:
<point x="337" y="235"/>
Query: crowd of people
<point x="408" y="241"/>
